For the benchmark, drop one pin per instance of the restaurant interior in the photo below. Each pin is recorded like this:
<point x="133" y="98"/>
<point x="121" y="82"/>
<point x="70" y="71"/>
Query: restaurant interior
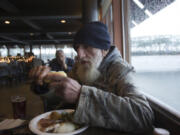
<point x="35" y="30"/>
<point x="30" y="34"/>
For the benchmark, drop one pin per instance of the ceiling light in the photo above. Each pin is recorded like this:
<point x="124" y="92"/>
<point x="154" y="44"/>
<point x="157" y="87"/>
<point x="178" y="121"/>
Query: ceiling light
<point x="31" y="34"/>
<point x="63" y="21"/>
<point x="7" y="22"/>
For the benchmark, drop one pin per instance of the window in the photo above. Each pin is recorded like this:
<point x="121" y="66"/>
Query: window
<point x="155" y="48"/>
<point x="107" y="16"/>
<point x="14" y="50"/>
<point x="47" y="52"/>
<point x="3" y="51"/>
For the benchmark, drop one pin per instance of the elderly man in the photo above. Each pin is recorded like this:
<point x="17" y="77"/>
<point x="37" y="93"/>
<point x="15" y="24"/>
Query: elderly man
<point x="61" y="62"/>
<point x="100" y="85"/>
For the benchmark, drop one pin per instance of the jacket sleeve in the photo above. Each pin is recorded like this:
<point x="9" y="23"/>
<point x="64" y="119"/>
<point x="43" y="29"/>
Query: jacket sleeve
<point x="124" y="109"/>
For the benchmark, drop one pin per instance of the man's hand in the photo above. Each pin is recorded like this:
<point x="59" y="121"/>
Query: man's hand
<point x="63" y="61"/>
<point x="65" y="87"/>
<point x="38" y="74"/>
<point x="62" y="58"/>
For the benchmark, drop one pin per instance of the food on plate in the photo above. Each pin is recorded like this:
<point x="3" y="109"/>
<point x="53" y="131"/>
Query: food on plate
<point x="58" y="123"/>
<point x="55" y="116"/>
<point x="46" y="125"/>
<point x="65" y="127"/>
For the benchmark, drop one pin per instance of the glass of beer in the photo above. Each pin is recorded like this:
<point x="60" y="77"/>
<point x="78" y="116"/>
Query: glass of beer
<point x="19" y="107"/>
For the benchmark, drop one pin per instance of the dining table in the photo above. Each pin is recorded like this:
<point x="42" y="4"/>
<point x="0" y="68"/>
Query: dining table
<point x="35" y="107"/>
<point x="24" y="130"/>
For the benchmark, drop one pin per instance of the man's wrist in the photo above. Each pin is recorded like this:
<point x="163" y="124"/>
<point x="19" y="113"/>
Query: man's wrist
<point x="65" y="66"/>
<point x="78" y="97"/>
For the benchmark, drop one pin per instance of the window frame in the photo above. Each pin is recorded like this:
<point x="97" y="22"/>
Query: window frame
<point x="165" y="115"/>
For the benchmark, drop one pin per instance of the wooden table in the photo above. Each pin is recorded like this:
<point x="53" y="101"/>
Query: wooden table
<point x="34" y="108"/>
<point x="90" y="131"/>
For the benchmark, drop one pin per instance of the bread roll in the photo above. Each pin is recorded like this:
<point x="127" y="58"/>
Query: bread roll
<point x="62" y="73"/>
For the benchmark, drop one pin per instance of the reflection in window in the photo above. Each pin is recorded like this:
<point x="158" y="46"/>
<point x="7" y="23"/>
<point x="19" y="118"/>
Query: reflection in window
<point x="47" y="52"/>
<point x="27" y="48"/>
<point x="44" y="52"/>
<point x="14" y="50"/>
<point x="108" y="20"/>
<point x="155" y="48"/>
<point x="3" y="51"/>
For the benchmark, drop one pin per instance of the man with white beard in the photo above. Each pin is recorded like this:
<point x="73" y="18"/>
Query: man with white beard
<point x="87" y="69"/>
<point x="100" y="85"/>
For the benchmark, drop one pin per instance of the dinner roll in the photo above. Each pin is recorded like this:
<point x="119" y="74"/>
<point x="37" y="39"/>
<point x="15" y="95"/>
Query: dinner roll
<point x="62" y="73"/>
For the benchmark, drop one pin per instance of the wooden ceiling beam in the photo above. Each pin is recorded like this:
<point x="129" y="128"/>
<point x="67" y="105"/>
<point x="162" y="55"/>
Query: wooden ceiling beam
<point x="38" y="42"/>
<point x="51" y="38"/>
<point x="7" y="34"/>
<point x="36" y="33"/>
<point x="8" y="7"/>
<point x="31" y="24"/>
<point x="13" y="39"/>
<point x="10" y="39"/>
<point x="41" y="17"/>
<point x="58" y="30"/>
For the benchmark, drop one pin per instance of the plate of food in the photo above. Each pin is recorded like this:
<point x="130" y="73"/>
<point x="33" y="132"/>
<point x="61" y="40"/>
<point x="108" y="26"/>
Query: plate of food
<point x="58" y="122"/>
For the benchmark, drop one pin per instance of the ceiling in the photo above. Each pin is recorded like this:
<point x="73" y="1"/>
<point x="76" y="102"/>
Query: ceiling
<point x="34" y="22"/>
<point x="37" y="22"/>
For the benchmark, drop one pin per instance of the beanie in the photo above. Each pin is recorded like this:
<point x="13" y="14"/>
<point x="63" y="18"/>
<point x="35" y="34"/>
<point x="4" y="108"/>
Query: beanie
<point x="94" y="34"/>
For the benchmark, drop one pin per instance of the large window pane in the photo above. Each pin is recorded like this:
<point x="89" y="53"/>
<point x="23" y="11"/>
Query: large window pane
<point x="14" y="50"/>
<point x="48" y="51"/>
<point x="155" y="48"/>
<point x="3" y="51"/>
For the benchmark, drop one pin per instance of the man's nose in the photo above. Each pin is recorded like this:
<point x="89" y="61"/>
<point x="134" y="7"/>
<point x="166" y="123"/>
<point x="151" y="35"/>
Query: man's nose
<point x="81" y="52"/>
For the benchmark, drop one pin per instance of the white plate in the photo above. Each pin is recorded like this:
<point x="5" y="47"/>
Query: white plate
<point x="33" y="124"/>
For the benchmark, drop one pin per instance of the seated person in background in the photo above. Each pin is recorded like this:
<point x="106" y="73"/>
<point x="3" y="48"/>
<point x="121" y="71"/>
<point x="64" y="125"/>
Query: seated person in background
<point x="18" y="55"/>
<point x="61" y="62"/>
<point x="100" y="85"/>
<point x="34" y="60"/>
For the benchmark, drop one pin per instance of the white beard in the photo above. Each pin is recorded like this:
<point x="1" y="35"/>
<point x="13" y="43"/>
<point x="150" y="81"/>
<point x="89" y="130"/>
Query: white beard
<point x="89" y="73"/>
<point x="87" y="76"/>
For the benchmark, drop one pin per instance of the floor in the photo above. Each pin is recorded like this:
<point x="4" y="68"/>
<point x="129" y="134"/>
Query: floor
<point x="34" y="105"/>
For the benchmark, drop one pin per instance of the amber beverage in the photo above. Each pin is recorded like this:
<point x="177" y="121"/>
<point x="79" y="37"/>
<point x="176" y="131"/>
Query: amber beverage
<point x="19" y="107"/>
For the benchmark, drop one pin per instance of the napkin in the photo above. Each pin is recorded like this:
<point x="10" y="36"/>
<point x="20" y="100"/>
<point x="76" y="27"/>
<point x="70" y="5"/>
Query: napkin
<point x="11" y="123"/>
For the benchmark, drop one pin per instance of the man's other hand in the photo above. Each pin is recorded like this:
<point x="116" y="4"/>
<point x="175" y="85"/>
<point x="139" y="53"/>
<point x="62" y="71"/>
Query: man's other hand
<point x="66" y="88"/>
<point x="37" y="74"/>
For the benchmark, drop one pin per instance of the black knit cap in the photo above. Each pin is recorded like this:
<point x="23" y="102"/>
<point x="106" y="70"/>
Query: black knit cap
<point x="94" y="34"/>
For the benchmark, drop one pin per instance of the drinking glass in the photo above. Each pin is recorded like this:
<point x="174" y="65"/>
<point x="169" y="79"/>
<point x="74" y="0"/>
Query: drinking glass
<point x="19" y="106"/>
